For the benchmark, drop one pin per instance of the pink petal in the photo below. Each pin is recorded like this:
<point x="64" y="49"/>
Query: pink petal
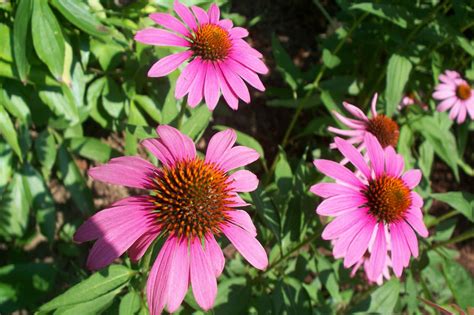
<point x="378" y="255"/>
<point x="337" y="205"/>
<point x="416" y="200"/>
<point x="237" y="157"/>
<point x="355" y="111"/>
<point x="351" y="123"/>
<point x="156" y="288"/>
<point x="170" y="22"/>
<point x="242" y="219"/>
<point x="187" y="78"/>
<point x="410" y="237"/>
<point x="211" y="87"/>
<point x="139" y="248"/>
<point x="446" y="104"/>
<point x="225" y="24"/>
<point x="443" y="94"/>
<point x="342" y="223"/>
<point x="462" y="114"/>
<point x="130" y="171"/>
<point x="242" y="47"/>
<point x="341" y="245"/>
<point x="250" y="61"/>
<point x="360" y="243"/>
<point x="235" y="82"/>
<point x="196" y="90"/>
<point x="399" y="249"/>
<point x="185" y="14"/>
<point x="203" y="279"/>
<point x="214" y="14"/>
<point x="337" y="171"/>
<point x="246" y="74"/>
<point x="394" y="163"/>
<point x="417" y="224"/>
<point x="168" y="64"/>
<point x="235" y="201"/>
<point x="247" y="245"/>
<point x="219" y="145"/>
<point x="455" y="110"/>
<point x="353" y="156"/>
<point x="238" y="32"/>
<point x="344" y="132"/>
<point x="178" y="278"/>
<point x="200" y="14"/>
<point x="180" y="146"/>
<point x="326" y="190"/>
<point x="373" y="105"/>
<point x="412" y="178"/>
<point x="375" y="153"/>
<point x="160" y="150"/>
<point x="215" y="254"/>
<point x="227" y="92"/>
<point x="159" y="37"/>
<point x="243" y="181"/>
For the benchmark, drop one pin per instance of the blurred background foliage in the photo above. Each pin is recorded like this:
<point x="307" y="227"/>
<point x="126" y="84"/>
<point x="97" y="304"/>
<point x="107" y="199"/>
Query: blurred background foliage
<point x="74" y="93"/>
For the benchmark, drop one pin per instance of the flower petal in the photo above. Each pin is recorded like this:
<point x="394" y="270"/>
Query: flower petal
<point x="203" y="279"/>
<point x="237" y="157"/>
<point x="187" y="78"/>
<point x="242" y="219"/>
<point x="337" y="205"/>
<point x="378" y="255"/>
<point x="180" y="146"/>
<point x="412" y="178"/>
<point x="353" y="156"/>
<point x="219" y="145"/>
<point x="337" y="171"/>
<point x="211" y="87"/>
<point x="196" y="90"/>
<point x="340" y="224"/>
<point x="417" y="224"/>
<point x="216" y="256"/>
<point x="235" y="82"/>
<point x="168" y="64"/>
<point x="243" y="181"/>
<point x="250" y="61"/>
<point x="246" y="74"/>
<point x="229" y="95"/>
<point x="178" y="278"/>
<point x="170" y="22"/>
<point x="375" y="153"/>
<point x="185" y="14"/>
<point x="399" y="249"/>
<point x="326" y="190"/>
<point x="360" y="243"/>
<point x="410" y="237"/>
<point x="200" y="14"/>
<point x="214" y="14"/>
<point x="160" y="37"/>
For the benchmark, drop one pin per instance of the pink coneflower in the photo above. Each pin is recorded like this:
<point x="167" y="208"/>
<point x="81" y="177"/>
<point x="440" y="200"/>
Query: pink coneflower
<point x="374" y="206"/>
<point x="455" y="94"/>
<point x="382" y="127"/>
<point x="191" y="202"/>
<point x="219" y="58"/>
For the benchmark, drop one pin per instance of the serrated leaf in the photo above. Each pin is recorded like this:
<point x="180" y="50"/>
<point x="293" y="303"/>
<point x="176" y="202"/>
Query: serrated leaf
<point x="197" y="122"/>
<point x="130" y="303"/>
<point x="97" y="285"/>
<point x="45" y="147"/>
<point x="398" y="71"/>
<point x="20" y="37"/>
<point x="6" y="169"/>
<point x="78" y="13"/>
<point x="9" y="133"/>
<point x="14" y="208"/>
<point x="460" y="200"/>
<point x="48" y="38"/>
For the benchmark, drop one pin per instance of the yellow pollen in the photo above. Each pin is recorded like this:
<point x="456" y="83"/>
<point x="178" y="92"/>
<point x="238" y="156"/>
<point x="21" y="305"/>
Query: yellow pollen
<point x="388" y="198"/>
<point x="211" y="42"/>
<point x="191" y="198"/>
<point x="463" y="91"/>
<point x="385" y="130"/>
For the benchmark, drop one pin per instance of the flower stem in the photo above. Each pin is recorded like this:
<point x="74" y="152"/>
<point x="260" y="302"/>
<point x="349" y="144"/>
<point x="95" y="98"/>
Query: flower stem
<point x="443" y="217"/>
<point x="462" y="237"/>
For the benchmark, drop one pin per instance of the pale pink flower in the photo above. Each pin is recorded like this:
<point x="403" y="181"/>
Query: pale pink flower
<point x="191" y="201"/>
<point x="377" y="207"/>
<point x="219" y="59"/>
<point x="455" y="94"/>
<point x="382" y="127"/>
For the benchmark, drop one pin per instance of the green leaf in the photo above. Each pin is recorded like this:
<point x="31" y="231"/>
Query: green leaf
<point x="267" y="211"/>
<point x="14" y="208"/>
<point x="147" y="104"/>
<point x="382" y="300"/>
<point x="8" y="131"/>
<point x="42" y="201"/>
<point x="92" y="149"/>
<point x="460" y="282"/>
<point x="95" y="306"/>
<point x="396" y="14"/>
<point x="398" y="71"/>
<point x="48" y="38"/>
<point x="45" y="147"/>
<point x="6" y="169"/>
<point x="290" y="297"/>
<point x="130" y="303"/>
<point x="74" y="181"/>
<point x="245" y="140"/>
<point x="78" y="13"/>
<point x="60" y="104"/>
<point x="459" y="200"/>
<point x="113" y="98"/>
<point x="197" y="122"/>
<point x="284" y="64"/>
<point x="97" y="285"/>
<point x="331" y="61"/>
<point x="283" y="175"/>
<point x="6" y="40"/>
<point x="20" y="38"/>
<point x="426" y="159"/>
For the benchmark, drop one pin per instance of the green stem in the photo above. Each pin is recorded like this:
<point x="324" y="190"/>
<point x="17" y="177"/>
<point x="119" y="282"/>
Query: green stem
<point x="323" y="11"/>
<point x="443" y="217"/>
<point x="310" y="91"/>
<point x="181" y="115"/>
<point x="462" y="237"/>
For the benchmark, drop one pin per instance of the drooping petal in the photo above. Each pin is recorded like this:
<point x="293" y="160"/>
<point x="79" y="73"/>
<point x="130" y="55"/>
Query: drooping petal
<point x="399" y="249"/>
<point x="417" y="224"/>
<point x="168" y="64"/>
<point x="139" y="248"/>
<point x="242" y="219"/>
<point x="229" y="95"/>
<point x="250" y="61"/>
<point x="337" y="171"/>
<point x="393" y="162"/>
<point x="373" y="105"/>
<point x="412" y="178"/>
<point x="243" y="181"/>
<point x="219" y="145"/>
<point x="410" y="237"/>
<point x="235" y="201"/>
<point x="351" y="123"/>
<point x="443" y="94"/>
<point x="179" y="145"/>
<point x="196" y="90"/>
<point x="160" y="37"/>
<point x="211" y="87"/>
<point x="187" y="78"/>
<point x="130" y="171"/>
<point x="446" y="104"/>
<point x="341" y="245"/>
<point x="247" y="245"/>
<point x="203" y="279"/>
<point x="360" y="243"/>
<point x="178" y="278"/>
<point x="340" y="224"/>
<point x="245" y="73"/>
<point x="378" y="255"/>
<point x="170" y="22"/>
<point x="375" y="153"/>
<point x="215" y="253"/>
<point x="235" y="82"/>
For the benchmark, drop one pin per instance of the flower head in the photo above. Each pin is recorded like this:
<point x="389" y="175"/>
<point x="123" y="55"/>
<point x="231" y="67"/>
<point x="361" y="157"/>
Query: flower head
<point x="219" y="59"/>
<point x="455" y="94"/>
<point x="191" y="201"/>
<point x="375" y="207"/>
<point x="382" y="127"/>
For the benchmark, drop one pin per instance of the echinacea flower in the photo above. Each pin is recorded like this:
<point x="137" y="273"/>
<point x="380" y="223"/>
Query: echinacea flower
<point x="219" y="59"/>
<point x="375" y="205"/>
<point x="455" y="94"/>
<point x="191" y="201"/>
<point x="364" y="261"/>
<point x="411" y="99"/>
<point x="382" y="127"/>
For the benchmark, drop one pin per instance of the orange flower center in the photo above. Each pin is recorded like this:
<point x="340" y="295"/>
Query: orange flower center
<point x="191" y="198"/>
<point x="384" y="129"/>
<point x="463" y="91"/>
<point x="388" y="198"/>
<point x="211" y="42"/>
